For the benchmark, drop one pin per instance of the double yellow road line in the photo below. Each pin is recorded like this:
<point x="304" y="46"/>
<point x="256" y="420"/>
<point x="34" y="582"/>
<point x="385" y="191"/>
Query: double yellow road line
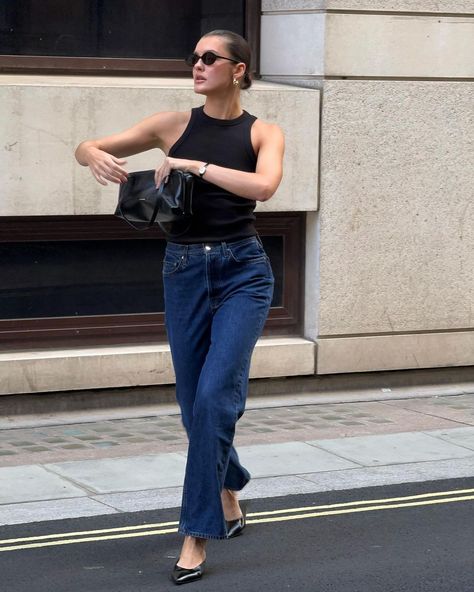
<point x="161" y="528"/>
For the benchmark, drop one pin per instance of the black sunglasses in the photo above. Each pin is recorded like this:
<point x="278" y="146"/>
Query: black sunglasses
<point x="208" y="58"/>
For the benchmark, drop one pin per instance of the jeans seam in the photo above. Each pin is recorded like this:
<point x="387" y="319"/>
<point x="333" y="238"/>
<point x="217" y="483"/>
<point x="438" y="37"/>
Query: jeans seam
<point x="180" y="264"/>
<point x="238" y="390"/>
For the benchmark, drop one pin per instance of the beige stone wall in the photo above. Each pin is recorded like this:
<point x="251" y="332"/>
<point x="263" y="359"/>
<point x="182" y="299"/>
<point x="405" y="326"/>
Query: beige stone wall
<point x="393" y="45"/>
<point x="418" y="6"/>
<point x="397" y="210"/>
<point x="397" y="216"/>
<point x="300" y="43"/>
<point x="44" y="118"/>
<point x="391" y="250"/>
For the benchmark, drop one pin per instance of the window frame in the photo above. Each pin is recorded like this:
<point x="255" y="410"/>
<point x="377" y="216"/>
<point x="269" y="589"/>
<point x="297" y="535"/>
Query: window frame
<point x="33" y="64"/>
<point x="51" y="332"/>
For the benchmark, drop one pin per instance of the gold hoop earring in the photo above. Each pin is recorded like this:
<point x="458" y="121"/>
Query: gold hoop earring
<point x="236" y="82"/>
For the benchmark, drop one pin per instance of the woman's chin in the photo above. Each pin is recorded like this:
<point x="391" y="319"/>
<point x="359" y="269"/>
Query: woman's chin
<point x="199" y="86"/>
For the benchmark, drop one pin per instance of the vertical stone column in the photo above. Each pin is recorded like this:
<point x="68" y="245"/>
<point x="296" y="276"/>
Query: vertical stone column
<point x="390" y="261"/>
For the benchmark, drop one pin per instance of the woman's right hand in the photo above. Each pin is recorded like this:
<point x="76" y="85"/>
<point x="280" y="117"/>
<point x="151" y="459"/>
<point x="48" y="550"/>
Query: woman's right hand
<point x="105" y="167"/>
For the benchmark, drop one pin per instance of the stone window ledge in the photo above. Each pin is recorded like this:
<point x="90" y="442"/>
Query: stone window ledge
<point x="134" y="365"/>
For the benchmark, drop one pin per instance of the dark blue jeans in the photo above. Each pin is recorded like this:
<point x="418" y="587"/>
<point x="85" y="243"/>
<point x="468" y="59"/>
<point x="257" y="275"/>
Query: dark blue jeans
<point x="217" y="297"/>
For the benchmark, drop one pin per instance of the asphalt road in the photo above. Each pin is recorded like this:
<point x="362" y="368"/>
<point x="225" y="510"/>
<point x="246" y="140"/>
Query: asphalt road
<point x="362" y="540"/>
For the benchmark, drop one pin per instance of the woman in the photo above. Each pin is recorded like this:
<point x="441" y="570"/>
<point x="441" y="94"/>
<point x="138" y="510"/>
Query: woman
<point x="217" y="278"/>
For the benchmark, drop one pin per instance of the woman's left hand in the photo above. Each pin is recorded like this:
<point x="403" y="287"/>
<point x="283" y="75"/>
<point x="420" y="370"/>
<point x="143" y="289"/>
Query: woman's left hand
<point x="163" y="171"/>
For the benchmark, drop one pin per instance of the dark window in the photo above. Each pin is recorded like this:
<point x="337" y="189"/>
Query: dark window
<point x="81" y="278"/>
<point x="93" y="278"/>
<point x="90" y="279"/>
<point x="143" y="36"/>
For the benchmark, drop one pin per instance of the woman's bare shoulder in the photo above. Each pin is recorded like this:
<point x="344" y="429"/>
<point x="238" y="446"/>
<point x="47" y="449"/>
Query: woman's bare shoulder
<point x="162" y="128"/>
<point x="173" y="116"/>
<point x="167" y="120"/>
<point x="265" y="127"/>
<point x="264" y="132"/>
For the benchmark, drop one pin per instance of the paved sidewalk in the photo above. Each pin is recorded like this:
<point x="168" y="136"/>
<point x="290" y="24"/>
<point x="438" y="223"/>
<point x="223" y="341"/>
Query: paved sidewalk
<point x="120" y="465"/>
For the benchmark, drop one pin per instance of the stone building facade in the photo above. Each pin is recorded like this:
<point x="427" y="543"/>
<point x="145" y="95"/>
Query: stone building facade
<point x="376" y="98"/>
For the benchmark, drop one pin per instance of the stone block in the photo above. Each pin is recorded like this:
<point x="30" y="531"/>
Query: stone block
<point x="134" y="365"/>
<point x="396" y="215"/>
<point x="395" y="352"/>
<point x="399" y="46"/>
<point x="49" y="116"/>
<point x="292" y="44"/>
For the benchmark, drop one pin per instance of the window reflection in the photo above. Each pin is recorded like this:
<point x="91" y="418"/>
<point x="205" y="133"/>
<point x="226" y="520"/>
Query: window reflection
<point x="93" y="278"/>
<point x="113" y="28"/>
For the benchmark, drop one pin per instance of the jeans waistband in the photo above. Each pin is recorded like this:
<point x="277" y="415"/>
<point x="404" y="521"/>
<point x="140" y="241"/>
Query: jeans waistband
<point x="210" y="246"/>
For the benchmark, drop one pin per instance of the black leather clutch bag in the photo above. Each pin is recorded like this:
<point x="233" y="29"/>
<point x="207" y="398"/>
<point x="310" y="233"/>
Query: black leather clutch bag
<point x="142" y="205"/>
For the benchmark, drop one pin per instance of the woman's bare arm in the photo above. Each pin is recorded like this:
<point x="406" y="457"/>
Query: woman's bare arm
<point x="105" y="156"/>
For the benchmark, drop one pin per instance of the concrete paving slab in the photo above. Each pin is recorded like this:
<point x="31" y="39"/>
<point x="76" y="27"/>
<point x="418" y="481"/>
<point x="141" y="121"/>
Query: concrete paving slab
<point x="392" y="448"/>
<point x="276" y="486"/>
<point x="32" y="483"/>
<point x="391" y="474"/>
<point x="171" y="497"/>
<point x="459" y="436"/>
<point x="151" y="499"/>
<point x="458" y="409"/>
<point x="289" y="458"/>
<point x="52" y="510"/>
<point x="125" y="474"/>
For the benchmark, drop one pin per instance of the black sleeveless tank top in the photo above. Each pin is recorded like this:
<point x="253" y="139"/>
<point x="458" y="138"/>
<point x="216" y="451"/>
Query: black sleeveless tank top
<point x="218" y="215"/>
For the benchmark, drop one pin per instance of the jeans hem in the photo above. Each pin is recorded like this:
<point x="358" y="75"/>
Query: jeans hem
<point x="238" y="488"/>
<point x="201" y="535"/>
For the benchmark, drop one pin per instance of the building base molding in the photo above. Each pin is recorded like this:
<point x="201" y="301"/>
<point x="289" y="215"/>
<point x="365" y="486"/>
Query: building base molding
<point x="137" y="365"/>
<point x="395" y="352"/>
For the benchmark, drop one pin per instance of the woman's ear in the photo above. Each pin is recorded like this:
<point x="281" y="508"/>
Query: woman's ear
<point x="239" y="71"/>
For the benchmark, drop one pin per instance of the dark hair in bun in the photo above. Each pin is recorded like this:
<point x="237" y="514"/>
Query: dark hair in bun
<point x="239" y="50"/>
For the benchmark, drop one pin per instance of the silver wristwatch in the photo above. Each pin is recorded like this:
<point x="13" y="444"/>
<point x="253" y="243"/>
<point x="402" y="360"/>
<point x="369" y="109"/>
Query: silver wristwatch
<point x="203" y="169"/>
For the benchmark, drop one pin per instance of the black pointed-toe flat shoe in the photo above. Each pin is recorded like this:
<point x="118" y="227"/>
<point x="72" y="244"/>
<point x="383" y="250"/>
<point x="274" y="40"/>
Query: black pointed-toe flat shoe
<point x="183" y="575"/>
<point x="235" y="527"/>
